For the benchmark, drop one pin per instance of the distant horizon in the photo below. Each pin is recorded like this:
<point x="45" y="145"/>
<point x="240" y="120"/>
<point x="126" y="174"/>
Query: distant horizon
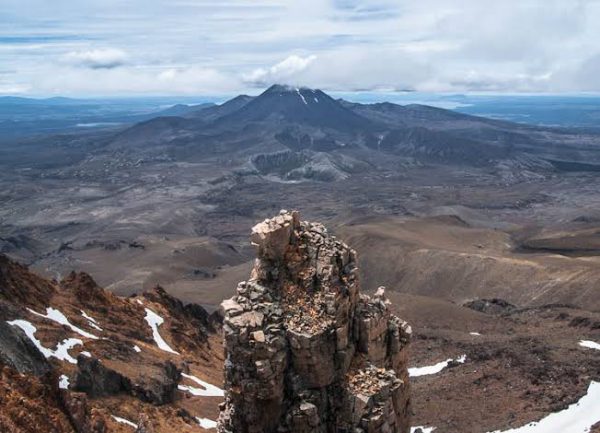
<point x="258" y="91"/>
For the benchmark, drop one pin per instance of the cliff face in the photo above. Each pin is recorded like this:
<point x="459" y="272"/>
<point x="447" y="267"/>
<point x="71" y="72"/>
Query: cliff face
<point x="305" y="351"/>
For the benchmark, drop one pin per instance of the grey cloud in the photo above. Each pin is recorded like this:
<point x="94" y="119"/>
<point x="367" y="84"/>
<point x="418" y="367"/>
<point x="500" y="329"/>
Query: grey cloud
<point x="99" y="58"/>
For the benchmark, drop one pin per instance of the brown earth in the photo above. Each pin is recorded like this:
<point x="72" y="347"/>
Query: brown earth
<point x="522" y="367"/>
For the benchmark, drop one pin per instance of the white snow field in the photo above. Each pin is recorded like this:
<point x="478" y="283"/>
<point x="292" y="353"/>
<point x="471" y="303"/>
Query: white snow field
<point x="206" y="423"/>
<point x="154" y="320"/>
<point x="434" y="369"/>
<point x="589" y="344"/>
<point x="577" y="418"/>
<point x="207" y="389"/>
<point x="124" y="421"/>
<point x="91" y="321"/>
<point x="58" y="317"/>
<point x="62" y="349"/>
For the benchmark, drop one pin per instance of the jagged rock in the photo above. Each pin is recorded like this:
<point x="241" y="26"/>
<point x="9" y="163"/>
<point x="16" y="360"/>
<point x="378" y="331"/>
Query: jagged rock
<point x="305" y="352"/>
<point x="85" y="289"/>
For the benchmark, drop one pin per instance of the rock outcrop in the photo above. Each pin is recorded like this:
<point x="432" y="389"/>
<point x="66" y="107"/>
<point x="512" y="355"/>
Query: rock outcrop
<point x="157" y="386"/>
<point x="305" y="351"/>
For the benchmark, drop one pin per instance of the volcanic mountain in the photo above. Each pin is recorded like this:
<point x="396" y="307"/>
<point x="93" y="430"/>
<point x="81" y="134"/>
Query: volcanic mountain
<point x="326" y="139"/>
<point x="301" y="106"/>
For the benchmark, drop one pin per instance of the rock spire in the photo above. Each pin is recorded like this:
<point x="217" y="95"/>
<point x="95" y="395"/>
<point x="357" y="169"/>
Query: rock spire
<point x="305" y="351"/>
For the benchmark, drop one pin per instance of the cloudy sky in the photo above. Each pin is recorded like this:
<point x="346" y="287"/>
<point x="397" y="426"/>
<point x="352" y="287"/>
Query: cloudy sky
<point x="209" y="47"/>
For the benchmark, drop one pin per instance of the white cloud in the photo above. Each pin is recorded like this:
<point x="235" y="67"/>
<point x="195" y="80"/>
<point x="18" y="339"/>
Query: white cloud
<point x="131" y="80"/>
<point x="13" y="89"/>
<point x="100" y="58"/>
<point x="282" y="72"/>
<point x="232" y="46"/>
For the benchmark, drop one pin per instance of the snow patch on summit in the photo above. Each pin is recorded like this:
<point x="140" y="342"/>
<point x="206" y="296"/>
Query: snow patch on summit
<point x="301" y="96"/>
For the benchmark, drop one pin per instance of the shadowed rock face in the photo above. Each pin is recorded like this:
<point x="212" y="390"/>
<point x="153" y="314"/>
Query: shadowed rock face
<point x="306" y="352"/>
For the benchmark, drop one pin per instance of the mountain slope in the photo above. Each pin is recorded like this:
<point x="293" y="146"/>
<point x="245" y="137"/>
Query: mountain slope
<point x="105" y="358"/>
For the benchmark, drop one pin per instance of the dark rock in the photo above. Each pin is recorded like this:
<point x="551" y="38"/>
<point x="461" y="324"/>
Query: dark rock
<point x="491" y="306"/>
<point x="158" y="388"/>
<point x="96" y="380"/>
<point x="18" y="352"/>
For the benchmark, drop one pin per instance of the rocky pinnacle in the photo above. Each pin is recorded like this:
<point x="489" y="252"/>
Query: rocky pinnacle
<point x="305" y="351"/>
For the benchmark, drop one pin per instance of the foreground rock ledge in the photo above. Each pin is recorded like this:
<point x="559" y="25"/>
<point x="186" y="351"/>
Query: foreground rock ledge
<point x="305" y="351"/>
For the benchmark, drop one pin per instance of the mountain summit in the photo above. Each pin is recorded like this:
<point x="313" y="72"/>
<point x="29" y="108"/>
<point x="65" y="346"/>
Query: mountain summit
<point x="301" y="105"/>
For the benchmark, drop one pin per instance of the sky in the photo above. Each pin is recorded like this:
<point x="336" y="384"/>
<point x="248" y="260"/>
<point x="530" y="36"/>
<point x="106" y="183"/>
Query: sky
<point x="209" y="47"/>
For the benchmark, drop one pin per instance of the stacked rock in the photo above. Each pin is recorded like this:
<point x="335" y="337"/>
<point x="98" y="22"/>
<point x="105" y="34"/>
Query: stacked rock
<point x="305" y="351"/>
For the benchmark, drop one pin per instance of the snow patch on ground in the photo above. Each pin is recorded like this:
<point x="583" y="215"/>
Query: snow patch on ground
<point x="206" y="423"/>
<point x="91" y="321"/>
<point x="434" y="369"/>
<point x="86" y="354"/>
<point x="124" y="421"/>
<point x="589" y="344"/>
<point x="423" y="429"/>
<point x="154" y="320"/>
<point x="60" y="318"/>
<point x="207" y="389"/>
<point x="577" y="418"/>
<point x="62" y="349"/>
<point x="63" y="383"/>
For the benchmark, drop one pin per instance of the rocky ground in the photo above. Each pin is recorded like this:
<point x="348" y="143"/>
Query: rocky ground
<point x="520" y="363"/>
